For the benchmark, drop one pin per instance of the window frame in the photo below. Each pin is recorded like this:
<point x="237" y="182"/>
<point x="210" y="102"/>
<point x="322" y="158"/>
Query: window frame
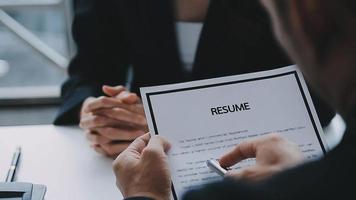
<point x="37" y="94"/>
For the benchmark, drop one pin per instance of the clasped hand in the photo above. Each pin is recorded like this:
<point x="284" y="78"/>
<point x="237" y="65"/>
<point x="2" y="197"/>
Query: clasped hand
<point x="112" y="122"/>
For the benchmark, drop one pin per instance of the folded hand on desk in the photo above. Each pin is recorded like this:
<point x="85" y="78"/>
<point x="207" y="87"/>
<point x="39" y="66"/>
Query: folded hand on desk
<point x="111" y="123"/>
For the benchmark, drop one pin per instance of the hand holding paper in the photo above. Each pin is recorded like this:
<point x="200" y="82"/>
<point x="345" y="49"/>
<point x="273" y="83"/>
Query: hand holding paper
<point x="142" y="169"/>
<point x="205" y="119"/>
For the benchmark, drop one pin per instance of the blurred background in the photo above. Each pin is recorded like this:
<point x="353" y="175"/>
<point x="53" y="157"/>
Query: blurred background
<point x="35" y="48"/>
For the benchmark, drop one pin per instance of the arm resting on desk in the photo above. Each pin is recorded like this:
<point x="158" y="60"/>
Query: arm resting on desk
<point x="101" y="58"/>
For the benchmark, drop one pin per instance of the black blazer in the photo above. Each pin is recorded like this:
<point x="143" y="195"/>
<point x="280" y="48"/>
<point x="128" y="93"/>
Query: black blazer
<point x="112" y="35"/>
<point x="333" y="177"/>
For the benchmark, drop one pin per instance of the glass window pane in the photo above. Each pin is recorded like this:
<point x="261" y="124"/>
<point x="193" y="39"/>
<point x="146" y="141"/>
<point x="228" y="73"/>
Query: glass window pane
<point x="20" y="64"/>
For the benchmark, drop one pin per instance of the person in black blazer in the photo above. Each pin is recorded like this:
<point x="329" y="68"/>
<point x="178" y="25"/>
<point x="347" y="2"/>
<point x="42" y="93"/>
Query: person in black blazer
<point x="114" y="37"/>
<point x="320" y="36"/>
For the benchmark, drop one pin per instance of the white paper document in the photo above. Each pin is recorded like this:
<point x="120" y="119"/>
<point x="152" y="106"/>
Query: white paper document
<point x="205" y="119"/>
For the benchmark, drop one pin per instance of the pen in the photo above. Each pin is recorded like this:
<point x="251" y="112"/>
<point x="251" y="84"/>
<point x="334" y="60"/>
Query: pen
<point x="14" y="163"/>
<point x="215" y="166"/>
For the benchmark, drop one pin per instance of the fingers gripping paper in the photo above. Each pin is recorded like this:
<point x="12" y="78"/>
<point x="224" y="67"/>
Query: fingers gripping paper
<point x="204" y="119"/>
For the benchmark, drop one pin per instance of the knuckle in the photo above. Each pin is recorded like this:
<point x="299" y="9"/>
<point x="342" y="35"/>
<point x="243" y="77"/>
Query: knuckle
<point x="88" y="101"/>
<point x="231" y="157"/>
<point x="113" y="154"/>
<point x="109" y="149"/>
<point x="274" y="137"/>
<point x="142" y="120"/>
<point x="119" y="111"/>
<point x="138" y="133"/>
<point x="98" y="149"/>
<point x="151" y="152"/>
<point x="96" y="119"/>
<point x="120" y="88"/>
<point x="111" y="132"/>
<point x="121" y="164"/>
<point x="103" y="99"/>
<point x="95" y="139"/>
<point x="88" y="104"/>
<point x="82" y="122"/>
<point x="117" y="164"/>
<point x="105" y="131"/>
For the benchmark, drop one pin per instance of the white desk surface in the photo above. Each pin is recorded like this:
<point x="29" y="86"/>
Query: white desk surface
<point x="61" y="159"/>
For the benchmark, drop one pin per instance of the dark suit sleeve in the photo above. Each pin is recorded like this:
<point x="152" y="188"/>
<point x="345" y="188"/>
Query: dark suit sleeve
<point x="332" y="177"/>
<point x="227" y="189"/>
<point x="310" y="182"/>
<point x="139" y="198"/>
<point x="101" y="57"/>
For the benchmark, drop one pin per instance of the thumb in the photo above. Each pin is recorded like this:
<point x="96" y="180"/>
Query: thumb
<point x="159" y="144"/>
<point x="139" y="144"/>
<point x="113" y="91"/>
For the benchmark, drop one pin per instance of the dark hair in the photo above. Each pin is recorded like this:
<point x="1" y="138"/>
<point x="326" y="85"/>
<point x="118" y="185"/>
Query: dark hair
<point x="338" y="13"/>
<point x="342" y="7"/>
<point x="334" y="27"/>
<point x="283" y="12"/>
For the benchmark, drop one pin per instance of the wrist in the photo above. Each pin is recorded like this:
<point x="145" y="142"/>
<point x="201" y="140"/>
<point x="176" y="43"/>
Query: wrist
<point x="139" y="198"/>
<point x="148" y="195"/>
